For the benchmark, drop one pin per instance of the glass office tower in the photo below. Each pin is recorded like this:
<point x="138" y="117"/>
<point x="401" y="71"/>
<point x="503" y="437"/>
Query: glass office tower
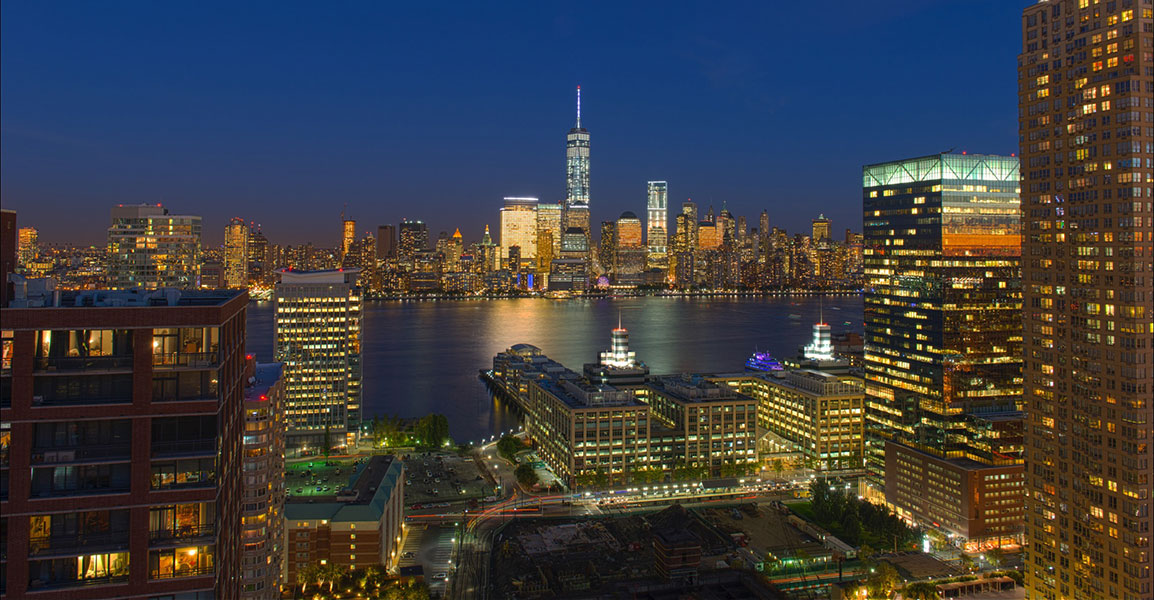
<point x="943" y="342"/>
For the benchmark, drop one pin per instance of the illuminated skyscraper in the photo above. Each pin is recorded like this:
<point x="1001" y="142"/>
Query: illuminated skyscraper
<point x="348" y="235"/>
<point x="519" y="227"/>
<point x="657" y="223"/>
<point x="236" y="254"/>
<point x="318" y="338"/>
<point x="550" y="218"/>
<point x="260" y="257"/>
<point x="414" y="238"/>
<point x="577" y="173"/>
<point x="150" y="248"/>
<point x="943" y="341"/>
<point x="821" y="229"/>
<point x="1085" y="91"/>
<point x="629" y="249"/>
<point x="28" y="247"/>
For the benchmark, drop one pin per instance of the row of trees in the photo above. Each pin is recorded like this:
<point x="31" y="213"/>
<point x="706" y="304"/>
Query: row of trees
<point x="856" y="521"/>
<point x="331" y="581"/>
<point x="430" y="431"/>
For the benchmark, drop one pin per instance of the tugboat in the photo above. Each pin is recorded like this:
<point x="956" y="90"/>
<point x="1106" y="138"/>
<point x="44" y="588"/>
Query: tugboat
<point x="762" y="362"/>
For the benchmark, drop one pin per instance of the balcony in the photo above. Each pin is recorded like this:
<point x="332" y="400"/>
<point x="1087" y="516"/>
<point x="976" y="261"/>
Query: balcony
<point x="185" y="448"/>
<point x="175" y="360"/>
<point x="181" y="571"/>
<point x="90" y="453"/>
<point x="60" y="364"/>
<point x="83" y="543"/>
<point x="40" y="584"/>
<point x="182" y="533"/>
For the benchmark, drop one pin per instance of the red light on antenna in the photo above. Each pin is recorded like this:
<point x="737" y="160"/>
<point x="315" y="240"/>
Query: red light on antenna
<point x="248" y="357"/>
<point x="963" y="152"/>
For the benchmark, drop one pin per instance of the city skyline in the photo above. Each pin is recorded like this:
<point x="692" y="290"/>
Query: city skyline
<point x="715" y="132"/>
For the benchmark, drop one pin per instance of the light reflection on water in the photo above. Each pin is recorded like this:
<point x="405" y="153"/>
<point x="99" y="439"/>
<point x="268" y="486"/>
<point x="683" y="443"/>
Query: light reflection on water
<point x="422" y="357"/>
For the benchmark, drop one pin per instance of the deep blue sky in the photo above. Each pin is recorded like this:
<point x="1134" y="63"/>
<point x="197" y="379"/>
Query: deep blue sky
<point x="283" y="112"/>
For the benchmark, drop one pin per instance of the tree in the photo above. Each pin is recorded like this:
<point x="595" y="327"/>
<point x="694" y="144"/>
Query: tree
<point x="508" y="446"/>
<point x="920" y="590"/>
<point x="308" y="575"/>
<point x="525" y="474"/>
<point x="328" y="443"/>
<point x="995" y="557"/>
<point x="882" y="581"/>
<point x="778" y="467"/>
<point x="432" y="430"/>
<point x="966" y="561"/>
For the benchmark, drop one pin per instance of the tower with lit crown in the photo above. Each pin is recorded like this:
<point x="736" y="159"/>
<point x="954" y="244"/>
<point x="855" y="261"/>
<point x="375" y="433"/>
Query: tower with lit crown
<point x="577" y="174"/>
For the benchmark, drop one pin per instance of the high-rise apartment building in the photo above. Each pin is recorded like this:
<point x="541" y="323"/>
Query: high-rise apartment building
<point x="657" y="220"/>
<point x="519" y="227"/>
<point x="236" y="253"/>
<point x="28" y="247"/>
<point x="577" y="169"/>
<point x="943" y="342"/>
<point x="122" y="462"/>
<point x="1086" y="131"/>
<point x="386" y="242"/>
<point x="318" y="338"/>
<point x="262" y="507"/>
<point x="150" y="248"/>
<point x="414" y="239"/>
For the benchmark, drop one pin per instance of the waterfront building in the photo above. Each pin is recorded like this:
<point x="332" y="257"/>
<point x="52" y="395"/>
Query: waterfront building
<point x="122" y="443"/>
<point x="358" y="526"/>
<point x="615" y="425"/>
<point x="236" y="254"/>
<point x="682" y="259"/>
<point x="577" y="173"/>
<point x="150" y="248"/>
<point x="607" y="251"/>
<point x="386" y="242"/>
<point x="318" y="338"/>
<point x="713" y="428"/>
<point x="1086" y="143"/>
<point x="618" y="365"/>
<point x="943" y="339"/>
<point x="262" y="506"/>
<point x="584" y="430"/>
<point x="657" y="223"/>
<point x="519" y="228"/>
<point x="28" y="248"/>
<point x="414" y="238"/>
<point x="819" y="414"/>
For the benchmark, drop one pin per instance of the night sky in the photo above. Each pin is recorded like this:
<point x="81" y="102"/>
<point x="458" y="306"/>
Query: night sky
<point x="284" y="112"/>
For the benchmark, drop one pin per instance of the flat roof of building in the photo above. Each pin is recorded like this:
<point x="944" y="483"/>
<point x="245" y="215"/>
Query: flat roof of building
<point x="370" y="488"/>
<point x="265" y="375"/>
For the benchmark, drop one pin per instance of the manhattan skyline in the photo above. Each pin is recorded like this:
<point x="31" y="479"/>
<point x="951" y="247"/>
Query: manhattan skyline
<point x="276" y="121"/>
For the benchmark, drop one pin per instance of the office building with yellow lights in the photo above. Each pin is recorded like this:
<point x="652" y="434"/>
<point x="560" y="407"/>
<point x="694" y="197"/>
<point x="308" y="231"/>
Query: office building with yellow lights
<point x="943" y="342"/>
<point x="318" y="338"/>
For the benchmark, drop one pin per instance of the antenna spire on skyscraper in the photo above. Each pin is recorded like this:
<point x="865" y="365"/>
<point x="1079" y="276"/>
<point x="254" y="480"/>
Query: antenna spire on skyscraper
<point x="578" y="107"/>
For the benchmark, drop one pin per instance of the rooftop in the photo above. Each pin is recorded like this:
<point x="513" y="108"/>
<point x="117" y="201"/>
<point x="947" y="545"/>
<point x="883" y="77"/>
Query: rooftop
<point x="43" y="293"/>
<point x="371" y="486"/>
<point x="264" y="377"/>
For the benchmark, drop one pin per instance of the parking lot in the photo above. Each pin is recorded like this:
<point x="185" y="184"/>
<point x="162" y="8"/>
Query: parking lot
<point x="319" y="477"/>
<point x="433" y="478"/>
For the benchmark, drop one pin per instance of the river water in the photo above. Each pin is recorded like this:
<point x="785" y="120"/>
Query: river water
<point x="423" y="356"/>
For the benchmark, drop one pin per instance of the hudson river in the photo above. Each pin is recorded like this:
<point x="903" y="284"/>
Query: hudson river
<point x="422" y="357"/>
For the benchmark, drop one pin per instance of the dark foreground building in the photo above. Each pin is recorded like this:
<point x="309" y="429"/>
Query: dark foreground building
<point x="122" y="459"/>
